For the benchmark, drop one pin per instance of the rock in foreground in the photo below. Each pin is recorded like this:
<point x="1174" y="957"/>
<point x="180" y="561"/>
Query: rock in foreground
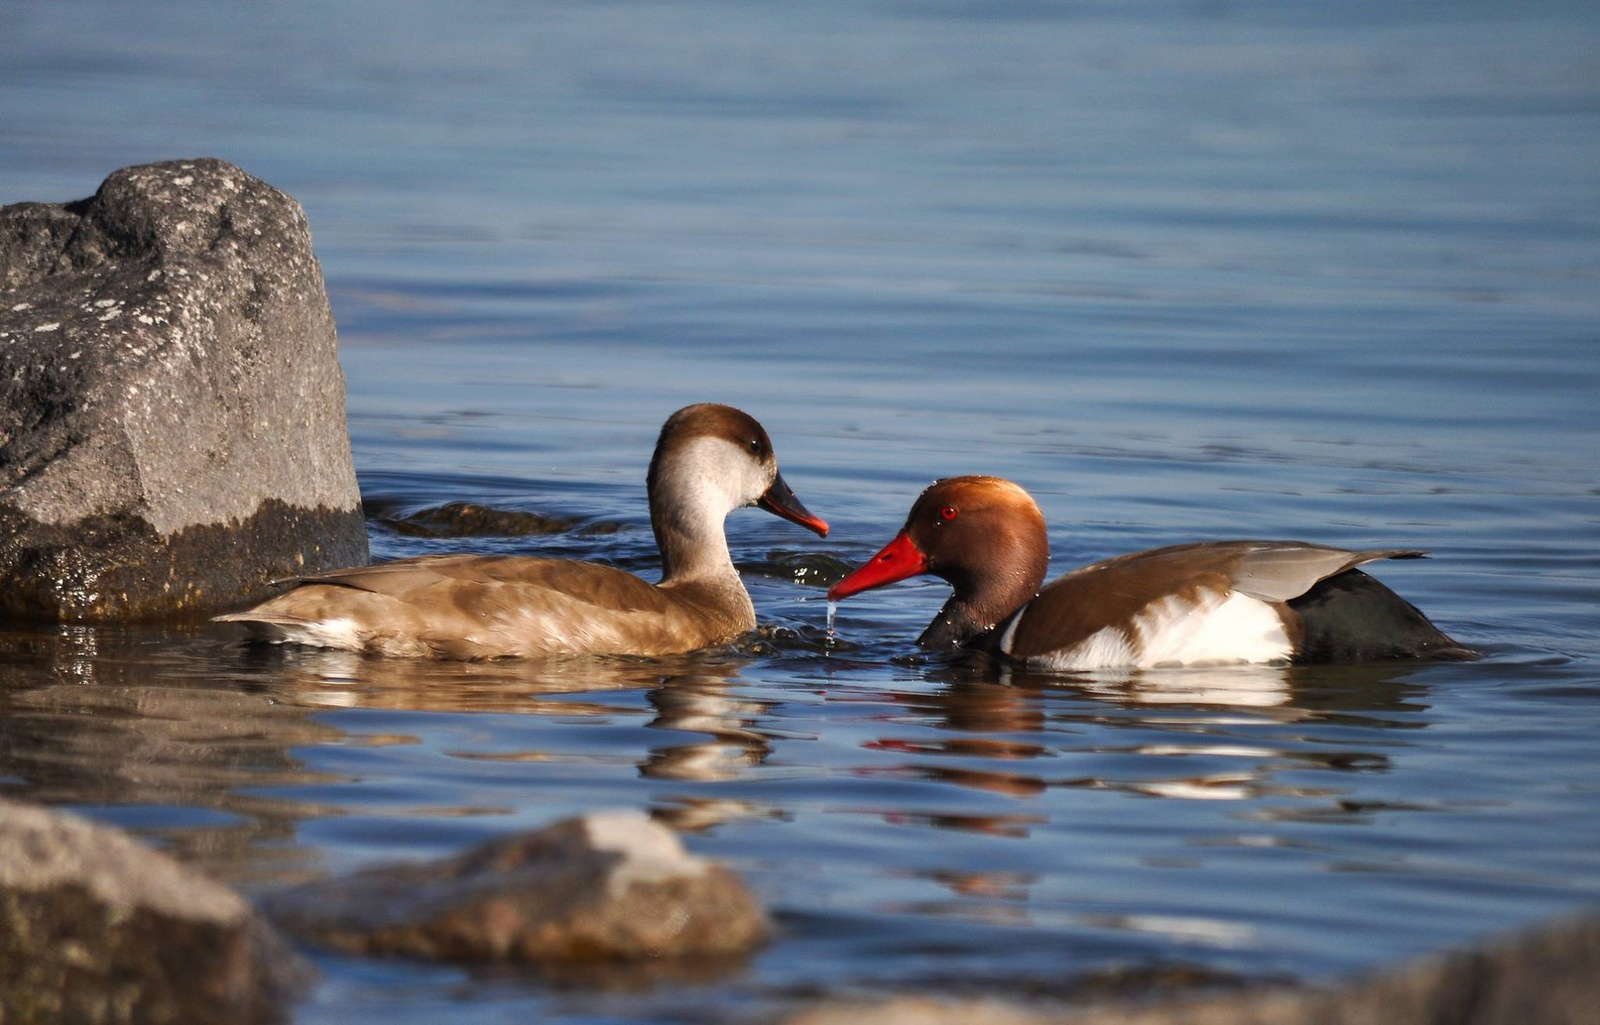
<point x="172" y="428"/>
<point x="1548" y="976"/>
<point x="611" y="887"/>
<point x="96" y="928"/>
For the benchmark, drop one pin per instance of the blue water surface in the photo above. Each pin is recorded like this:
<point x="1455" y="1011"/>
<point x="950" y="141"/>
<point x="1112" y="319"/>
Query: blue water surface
<point x="1184" y="270"/>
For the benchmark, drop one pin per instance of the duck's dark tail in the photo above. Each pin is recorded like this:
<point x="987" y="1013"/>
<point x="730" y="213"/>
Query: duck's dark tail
<point x="1353" y="618"/>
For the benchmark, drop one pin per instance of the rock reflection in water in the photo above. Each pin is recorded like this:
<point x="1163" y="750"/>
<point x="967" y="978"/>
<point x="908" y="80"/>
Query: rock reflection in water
<point x="95" y="716"/>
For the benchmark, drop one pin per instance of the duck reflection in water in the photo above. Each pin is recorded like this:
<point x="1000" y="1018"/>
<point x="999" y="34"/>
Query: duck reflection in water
<point x="342" y="679"/>
<point x="707" y="705"/>
<point x="1227" y="722"/>
<point x="693" y="694"/>
<point x="1282" y="692"/>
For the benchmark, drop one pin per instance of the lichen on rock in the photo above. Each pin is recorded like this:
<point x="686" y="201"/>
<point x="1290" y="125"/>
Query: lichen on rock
<point x="172" y="422"/>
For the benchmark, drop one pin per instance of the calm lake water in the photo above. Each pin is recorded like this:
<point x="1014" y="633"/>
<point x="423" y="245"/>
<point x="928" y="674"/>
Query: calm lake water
<point x="1184" y="270"/>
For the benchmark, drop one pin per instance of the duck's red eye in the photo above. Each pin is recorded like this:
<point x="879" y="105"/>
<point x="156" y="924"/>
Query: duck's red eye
<point x="947" y="513"/>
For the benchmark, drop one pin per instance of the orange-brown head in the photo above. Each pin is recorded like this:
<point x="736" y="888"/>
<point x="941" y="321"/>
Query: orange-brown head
<point x="985" y="536"/>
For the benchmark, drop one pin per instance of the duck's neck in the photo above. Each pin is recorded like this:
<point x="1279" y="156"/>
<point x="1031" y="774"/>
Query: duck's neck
<point x="693" y="553"/>
<point x="985" y="598"/>
<point x="954" y="626"/>
<point x="967" y="616"/>
<point x="689" y="532"/>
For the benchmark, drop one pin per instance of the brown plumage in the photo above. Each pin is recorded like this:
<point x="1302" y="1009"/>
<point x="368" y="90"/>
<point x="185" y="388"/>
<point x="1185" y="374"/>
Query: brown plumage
<point x="1210" y="602"/>
<point x="709" y="460"/>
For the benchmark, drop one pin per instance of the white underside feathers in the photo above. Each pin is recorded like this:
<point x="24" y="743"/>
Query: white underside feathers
<point x="1173" y="631"/>
<point x="340" y="633"/>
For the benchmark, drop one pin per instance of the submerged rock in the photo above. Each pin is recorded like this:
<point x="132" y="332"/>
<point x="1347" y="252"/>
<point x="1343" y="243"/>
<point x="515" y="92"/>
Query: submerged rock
<point x="96" y="928"/>
<point x="172" y="424"/>
<point x="602" y="888"/>
<point x="468" y="519"/>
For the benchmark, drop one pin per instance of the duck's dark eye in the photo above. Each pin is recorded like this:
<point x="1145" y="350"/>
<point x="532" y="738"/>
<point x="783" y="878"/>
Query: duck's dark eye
<point x="755" y="445"/>
<point x="947" y="513"/>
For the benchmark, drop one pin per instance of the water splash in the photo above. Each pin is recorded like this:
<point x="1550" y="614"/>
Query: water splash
<point x="833" y="610"/>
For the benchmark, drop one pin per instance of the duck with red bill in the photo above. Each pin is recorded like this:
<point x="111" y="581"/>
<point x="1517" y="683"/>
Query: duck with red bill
<point x="1204" y="603"/>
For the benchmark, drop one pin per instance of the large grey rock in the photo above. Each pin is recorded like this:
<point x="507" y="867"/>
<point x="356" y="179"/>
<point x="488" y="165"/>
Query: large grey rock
<point x="95" y="928"/>
<point x="172" y="429"/>
<point x="602" y="888"/>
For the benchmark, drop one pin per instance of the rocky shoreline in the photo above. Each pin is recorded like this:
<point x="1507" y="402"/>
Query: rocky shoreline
<point x="94" y="927"/>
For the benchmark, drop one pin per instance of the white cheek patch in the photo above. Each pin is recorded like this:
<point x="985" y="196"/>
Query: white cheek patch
<point x="721" y="476"/>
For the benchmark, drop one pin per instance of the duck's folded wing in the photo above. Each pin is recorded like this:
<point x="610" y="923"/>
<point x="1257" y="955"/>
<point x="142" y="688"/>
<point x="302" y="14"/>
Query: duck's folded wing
<point x="397" y="579"/>
<point x="469" y="607"/>
<point x="459" y="576"/>
<point x="596" y="609"/>
<point x="1276" y="571"/>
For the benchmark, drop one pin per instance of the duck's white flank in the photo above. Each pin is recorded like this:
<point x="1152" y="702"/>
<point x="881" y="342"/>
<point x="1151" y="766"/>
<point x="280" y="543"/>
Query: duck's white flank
<point x="1177" y="632"/>
<point x="1104" y="649"/>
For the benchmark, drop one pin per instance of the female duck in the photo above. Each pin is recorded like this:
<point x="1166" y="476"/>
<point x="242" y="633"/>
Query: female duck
<point x="1193" y="604"/>
<point x="709" y="460"/>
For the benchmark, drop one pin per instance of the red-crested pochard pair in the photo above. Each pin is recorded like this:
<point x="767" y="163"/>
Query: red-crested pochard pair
<point x="709" y="460"/>
<point x="1227" y="601"/>
<point x="1194" y="604"/>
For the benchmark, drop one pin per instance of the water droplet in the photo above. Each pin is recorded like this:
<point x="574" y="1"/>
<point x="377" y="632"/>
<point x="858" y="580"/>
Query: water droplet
<point x="833" y="609"/>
